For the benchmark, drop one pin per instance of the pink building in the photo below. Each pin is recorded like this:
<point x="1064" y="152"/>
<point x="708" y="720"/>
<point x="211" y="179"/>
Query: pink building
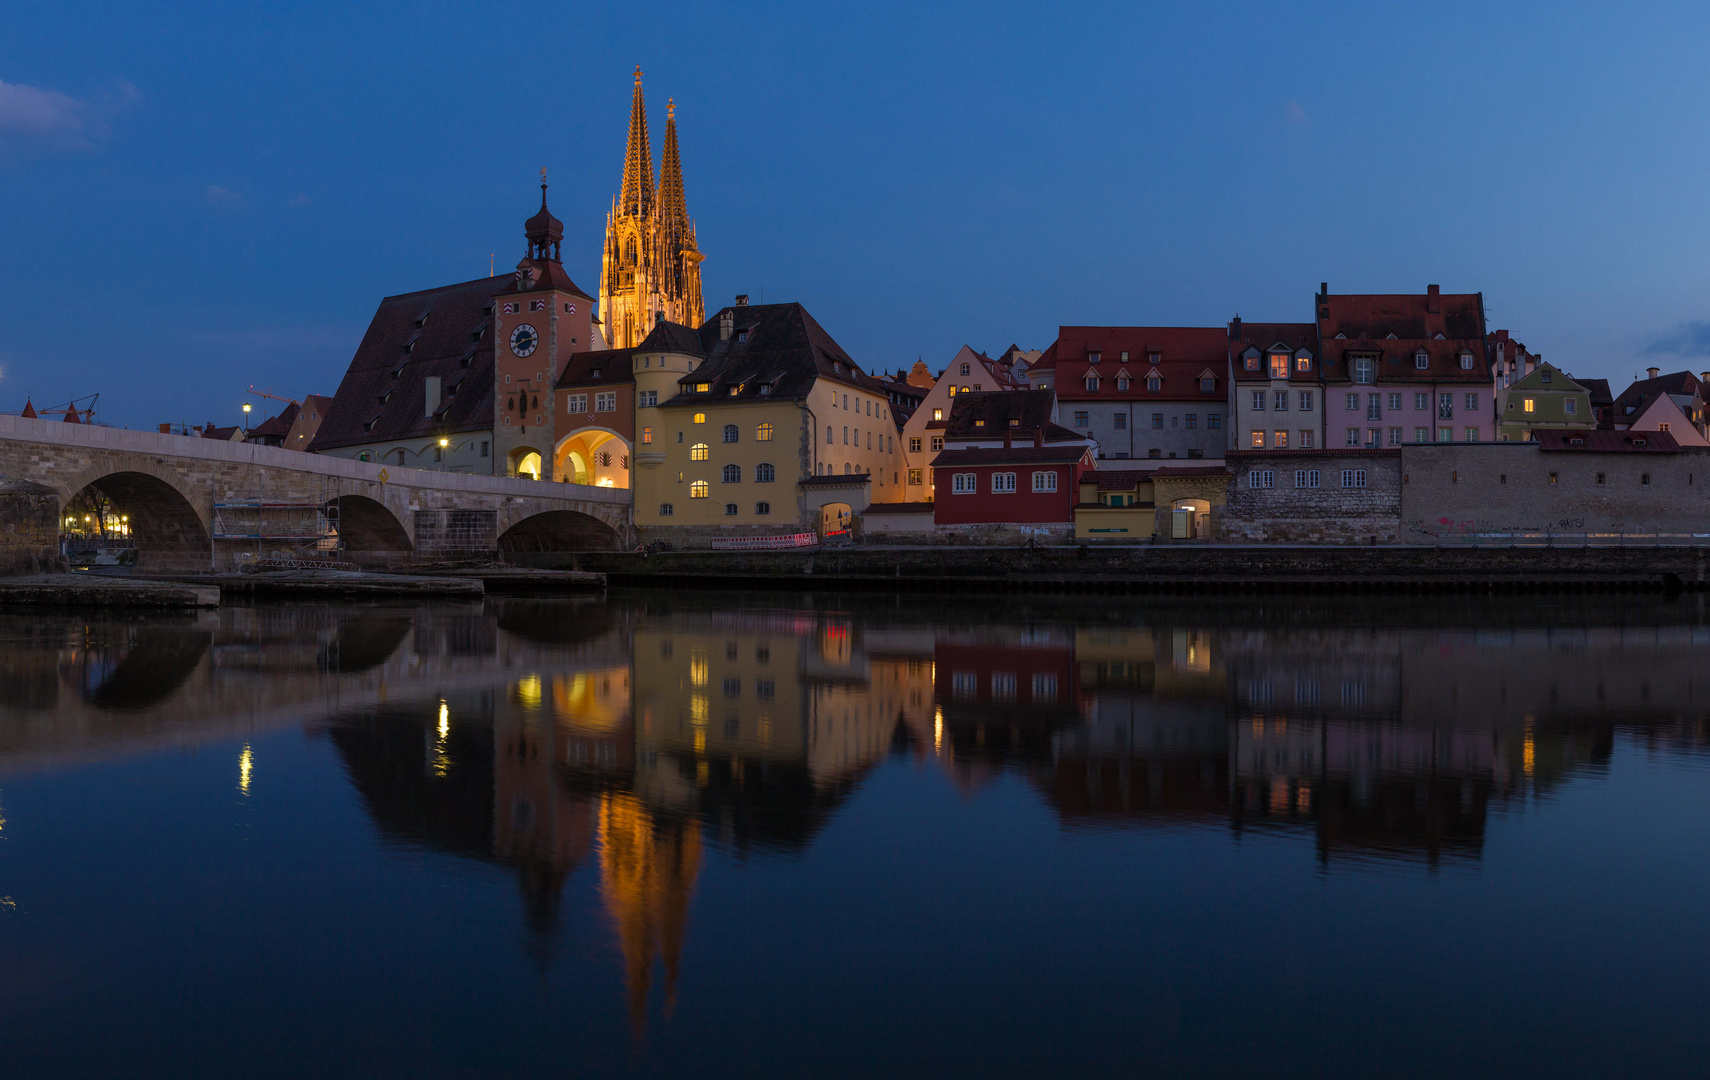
<point x="1405" y="368"/>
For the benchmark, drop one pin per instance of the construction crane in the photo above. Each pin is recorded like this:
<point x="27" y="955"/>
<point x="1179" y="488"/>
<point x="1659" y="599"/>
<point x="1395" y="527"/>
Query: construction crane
<point x="85" y="412"/>
<point x="270" y="392"/>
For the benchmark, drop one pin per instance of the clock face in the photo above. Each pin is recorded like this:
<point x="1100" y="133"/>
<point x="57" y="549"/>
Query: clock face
<point x="524" y="340"/>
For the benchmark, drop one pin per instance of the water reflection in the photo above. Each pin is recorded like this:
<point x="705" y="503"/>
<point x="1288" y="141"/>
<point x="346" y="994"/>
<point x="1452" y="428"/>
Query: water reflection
<point x="627" y="739"/>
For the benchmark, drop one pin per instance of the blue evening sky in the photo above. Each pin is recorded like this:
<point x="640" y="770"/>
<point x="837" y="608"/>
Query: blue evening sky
<point x="198" y="197"/>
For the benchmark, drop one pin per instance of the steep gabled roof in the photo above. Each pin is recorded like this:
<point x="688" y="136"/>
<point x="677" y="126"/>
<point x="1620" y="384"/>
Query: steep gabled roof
<point x="1397" y="326"/>
<point x="775" y="351"/>
<point x="1264" y="337"/>
<point x="670" y="337"/>
<point x="598" y="368"/>
<point x="1684" y="383"/>
<point x="382" y="397"/>
<point x="987" y="413"/>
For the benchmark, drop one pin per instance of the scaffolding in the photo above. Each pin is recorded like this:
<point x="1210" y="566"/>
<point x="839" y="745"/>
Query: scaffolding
<point x="281" y="527"/>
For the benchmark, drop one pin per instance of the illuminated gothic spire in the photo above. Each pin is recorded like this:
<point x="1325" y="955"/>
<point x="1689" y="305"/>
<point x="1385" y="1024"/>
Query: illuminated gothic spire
<point x="673" y="211"/>
<point x="636" y="197"/>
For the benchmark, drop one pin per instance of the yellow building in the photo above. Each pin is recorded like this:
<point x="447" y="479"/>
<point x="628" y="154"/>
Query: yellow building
<point x="742" y="426"/>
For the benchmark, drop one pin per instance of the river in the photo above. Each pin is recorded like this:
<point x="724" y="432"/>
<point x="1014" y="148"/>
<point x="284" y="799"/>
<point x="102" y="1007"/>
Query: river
<point x="744" y="834"/>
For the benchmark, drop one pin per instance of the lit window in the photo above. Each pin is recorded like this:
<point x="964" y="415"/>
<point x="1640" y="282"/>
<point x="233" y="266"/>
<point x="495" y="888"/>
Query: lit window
<point x="938" y="414"/>
<point x="700" y="452"/>
<point x="699" y="489"/>
<point x="700" y="418"/>
<point x="916" y="477"/>
<point x="1279" y="365"/>
<point x="701" y="387"/>
<point x="763" y="433"/>
<point x="1303" y="363"/>
<point x="646" y="436"/>
<point x="1258" y="440"/>
<point x="1529" y="404"/>
<point x="1279" y="439"/>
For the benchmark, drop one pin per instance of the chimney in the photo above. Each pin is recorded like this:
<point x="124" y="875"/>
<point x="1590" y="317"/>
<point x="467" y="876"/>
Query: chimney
<point x="741" y="299"/>
<point x="1323" y="288"/>
<point x="1039" y="435"/>
<point x="166" y="429"/>
<point x="1704" y="376"/>
<point x="1007" y="444"/>
<point x="1652" y="372"/>
<point x="1235" y="328"/>
<point x="726" y="323"/>
<point x="1433" y="301"/>
<point x="430" y="396"/>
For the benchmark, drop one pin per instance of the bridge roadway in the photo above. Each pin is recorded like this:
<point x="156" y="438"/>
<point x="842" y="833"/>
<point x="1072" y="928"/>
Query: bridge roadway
<point x="168" y="486"/>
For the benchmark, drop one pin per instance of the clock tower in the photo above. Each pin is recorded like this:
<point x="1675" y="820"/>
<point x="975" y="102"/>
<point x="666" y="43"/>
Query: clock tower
<point x="539" y="319"/>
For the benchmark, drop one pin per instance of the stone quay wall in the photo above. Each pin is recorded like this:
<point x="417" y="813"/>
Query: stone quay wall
<point x="1292" y="510"/>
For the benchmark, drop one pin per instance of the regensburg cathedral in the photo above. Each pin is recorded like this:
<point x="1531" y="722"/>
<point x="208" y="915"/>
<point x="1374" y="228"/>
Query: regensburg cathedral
<point x="651" y="268"/>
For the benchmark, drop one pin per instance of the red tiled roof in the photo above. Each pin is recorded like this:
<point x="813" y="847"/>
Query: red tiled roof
<point x="1318" y="452"/>
<point x="1606" y="442"/>
<point x="1015" y="455"/>
<point x="1366" y="321"/>
<point x="1266" y="336"/>
<point x="611" y="365"/>
<point x="1184" y="354"/>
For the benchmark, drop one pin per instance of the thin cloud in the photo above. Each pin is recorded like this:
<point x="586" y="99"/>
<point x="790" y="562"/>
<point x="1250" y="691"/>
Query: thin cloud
<point x="1295" y="115"/>
<point x="34" y="117"/>
<point x="218" y="195"/>
<point x="1688" y="339"/>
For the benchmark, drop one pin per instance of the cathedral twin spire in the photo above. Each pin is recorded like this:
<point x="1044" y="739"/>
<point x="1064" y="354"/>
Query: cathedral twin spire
<point x="651" y="268"/>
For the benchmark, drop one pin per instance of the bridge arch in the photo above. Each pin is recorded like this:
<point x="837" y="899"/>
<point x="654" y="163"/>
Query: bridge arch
<point x="167" y="521"/>
<point x="556" y="531"/>
<point x="371" y="533"/>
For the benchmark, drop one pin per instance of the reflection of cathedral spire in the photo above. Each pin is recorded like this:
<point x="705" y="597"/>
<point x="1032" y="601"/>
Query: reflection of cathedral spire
<point x="647" y="875"/>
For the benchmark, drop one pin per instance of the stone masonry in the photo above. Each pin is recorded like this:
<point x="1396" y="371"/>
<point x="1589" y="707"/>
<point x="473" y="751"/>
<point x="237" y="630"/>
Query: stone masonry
<point x="168" y="485"/>
<point x="1274" y="497"/>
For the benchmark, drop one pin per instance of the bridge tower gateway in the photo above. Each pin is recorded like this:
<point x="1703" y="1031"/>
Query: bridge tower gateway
<point x="539" y="319"/>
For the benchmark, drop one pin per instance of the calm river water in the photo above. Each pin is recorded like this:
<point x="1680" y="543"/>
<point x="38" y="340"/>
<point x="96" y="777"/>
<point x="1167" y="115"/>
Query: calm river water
<point x="711" y="835"/>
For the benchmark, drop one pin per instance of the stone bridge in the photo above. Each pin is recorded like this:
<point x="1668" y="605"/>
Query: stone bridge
<point x="191" y="502"/>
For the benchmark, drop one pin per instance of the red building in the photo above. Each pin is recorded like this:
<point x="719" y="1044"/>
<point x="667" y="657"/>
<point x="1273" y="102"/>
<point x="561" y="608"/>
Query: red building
<point x="1009" y="485"/>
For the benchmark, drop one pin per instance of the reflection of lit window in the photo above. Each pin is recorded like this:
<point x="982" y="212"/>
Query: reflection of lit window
<point x="698" y="668"/>
<point x="528" y="691"/>
<point x="1044" y="687"/>
<point x="697" y="708"/>
<point x="964" y="684"/>
<point x="764" y="728"/>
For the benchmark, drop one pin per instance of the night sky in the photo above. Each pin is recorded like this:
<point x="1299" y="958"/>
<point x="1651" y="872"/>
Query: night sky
<point x="198" y="197"/>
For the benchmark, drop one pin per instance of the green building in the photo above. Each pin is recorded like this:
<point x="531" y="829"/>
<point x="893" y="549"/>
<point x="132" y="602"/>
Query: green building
<point x="1546" y="398"/>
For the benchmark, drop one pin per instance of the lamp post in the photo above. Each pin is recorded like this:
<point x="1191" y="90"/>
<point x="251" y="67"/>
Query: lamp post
<point x="246" y="419"/>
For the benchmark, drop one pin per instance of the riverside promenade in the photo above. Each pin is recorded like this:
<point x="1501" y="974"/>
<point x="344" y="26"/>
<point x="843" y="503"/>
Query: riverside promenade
<point x="1167" y="568"/>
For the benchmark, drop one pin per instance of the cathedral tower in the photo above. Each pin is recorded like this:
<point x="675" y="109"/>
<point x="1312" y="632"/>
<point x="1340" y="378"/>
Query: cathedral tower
<point x="651" y="267"/>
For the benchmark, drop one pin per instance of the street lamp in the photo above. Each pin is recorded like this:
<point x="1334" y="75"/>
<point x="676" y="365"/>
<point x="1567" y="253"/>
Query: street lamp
<point x="246" y="418"/>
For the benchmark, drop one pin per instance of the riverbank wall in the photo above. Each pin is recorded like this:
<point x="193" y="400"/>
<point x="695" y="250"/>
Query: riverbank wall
<point x="1167" y="568"/>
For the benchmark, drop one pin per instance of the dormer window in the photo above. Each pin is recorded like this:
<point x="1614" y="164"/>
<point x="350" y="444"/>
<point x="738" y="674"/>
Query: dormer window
<point x="702" y="388"/>
<point x="1122" y="383"/>
<point x="765" y="389"/>
<point x="1092" y="358"/>
<point x="1279" y="365"/>
<point x="836" y="369"/>
<point x="1576" y="441"/>
<point x="742" y="335"/>
<point x="1250" y="359"/>
<point x="979" y="423"/>
<point x="1303" y="361"/>
<point x="1421" y="360"/>
<point x="1013" y="422"/>
<point x="1154" y="383"/>
<point x="1640" y="442"/>
<point x="1466" y="361"/>
<point x="1207" y="384"/>
<point x="1364" y="367"/>
<point x="1092" y="381"/>
<point x="596" y="373"/>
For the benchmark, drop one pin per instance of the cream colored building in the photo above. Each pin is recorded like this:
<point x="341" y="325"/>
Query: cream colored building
<point x="741" y="426"/>
<point x="923" y="434"/>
